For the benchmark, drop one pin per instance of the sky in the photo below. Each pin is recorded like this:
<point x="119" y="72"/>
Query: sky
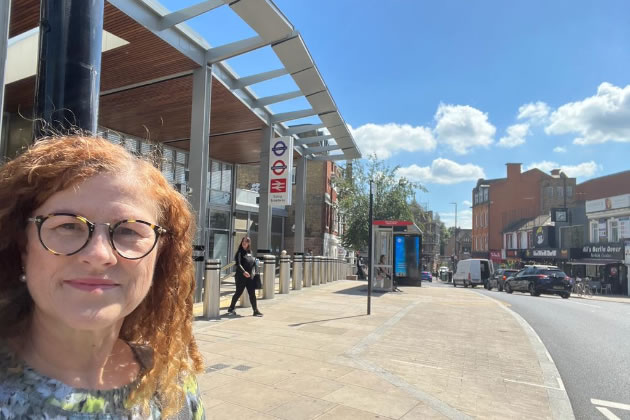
<point x="450" y="91"/>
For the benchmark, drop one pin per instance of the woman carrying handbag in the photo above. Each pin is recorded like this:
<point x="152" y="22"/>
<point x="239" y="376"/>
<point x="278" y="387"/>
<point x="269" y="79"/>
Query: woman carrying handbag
<point x="246" y="270"/>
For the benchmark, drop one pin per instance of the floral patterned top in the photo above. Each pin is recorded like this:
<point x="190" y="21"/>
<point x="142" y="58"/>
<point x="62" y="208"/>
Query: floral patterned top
<point x="26" y="394"/>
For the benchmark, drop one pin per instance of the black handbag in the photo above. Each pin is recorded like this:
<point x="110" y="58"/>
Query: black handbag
<point x="257" y="281"/>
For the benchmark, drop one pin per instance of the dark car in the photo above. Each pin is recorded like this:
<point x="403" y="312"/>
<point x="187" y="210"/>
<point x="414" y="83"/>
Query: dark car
<point x="426" y="276"/>
<point x="540" y="279"/>
<point x="499" y="277"/>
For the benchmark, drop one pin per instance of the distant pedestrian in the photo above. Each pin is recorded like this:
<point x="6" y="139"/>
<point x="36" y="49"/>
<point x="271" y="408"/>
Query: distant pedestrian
<point x="245" y="271"/>
<point x="360" y="271"/>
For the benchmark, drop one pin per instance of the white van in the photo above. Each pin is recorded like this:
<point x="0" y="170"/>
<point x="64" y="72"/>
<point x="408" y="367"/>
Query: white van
<point x="473" y="272"/>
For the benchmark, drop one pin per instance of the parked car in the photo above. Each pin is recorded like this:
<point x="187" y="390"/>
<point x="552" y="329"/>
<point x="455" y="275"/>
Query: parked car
<point x="426" y="276"/>
<point x="443" y="269"/>
<point x="499" y="277"/>
<point x="473" y="272"/>
<point x="540" y="279"/>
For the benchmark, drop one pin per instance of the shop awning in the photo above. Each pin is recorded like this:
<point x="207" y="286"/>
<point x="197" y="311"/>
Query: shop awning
<point x="595" y="261"/>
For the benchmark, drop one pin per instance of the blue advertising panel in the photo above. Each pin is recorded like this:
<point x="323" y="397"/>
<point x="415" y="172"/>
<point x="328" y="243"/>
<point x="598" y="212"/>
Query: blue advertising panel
<point x="400" y="260"/>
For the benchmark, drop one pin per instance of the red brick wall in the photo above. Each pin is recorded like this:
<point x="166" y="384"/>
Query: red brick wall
<point x="605" y="186"/>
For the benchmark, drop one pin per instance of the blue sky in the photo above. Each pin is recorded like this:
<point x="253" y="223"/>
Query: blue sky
<point x="452" y="90"/>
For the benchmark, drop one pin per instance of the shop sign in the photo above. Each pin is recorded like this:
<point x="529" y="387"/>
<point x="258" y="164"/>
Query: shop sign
<point x="603" y="251"/>
<point x="280" y="168"/>
<point x="495" y="256"/>
<point x="544" y="253"/>
<point x="512" y="253"/>
<point x="627" y="246"/>
<point x="544" y="237"/>
<point x="610" y="203"/>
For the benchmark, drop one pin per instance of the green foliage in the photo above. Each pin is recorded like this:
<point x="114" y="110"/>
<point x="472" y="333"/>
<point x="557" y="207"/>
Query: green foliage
<point x="391" y="200"/>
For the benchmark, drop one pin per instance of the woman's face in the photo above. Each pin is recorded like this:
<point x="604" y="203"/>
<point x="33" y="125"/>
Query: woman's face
<point x="94" y="288"/>
<point x="245" y="244"/>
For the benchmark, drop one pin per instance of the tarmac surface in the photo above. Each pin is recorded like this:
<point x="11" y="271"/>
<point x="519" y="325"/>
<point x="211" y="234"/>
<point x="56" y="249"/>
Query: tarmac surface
<point x="424" y="353"/>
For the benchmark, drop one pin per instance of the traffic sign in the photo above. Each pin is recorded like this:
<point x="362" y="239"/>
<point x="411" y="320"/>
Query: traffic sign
<point x="279" y="148"/>
<point x="279" y="167"/>
<point x="278" y="185"/>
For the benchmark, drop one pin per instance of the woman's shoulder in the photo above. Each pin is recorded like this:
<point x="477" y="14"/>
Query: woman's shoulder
<point x="24" y="393"/>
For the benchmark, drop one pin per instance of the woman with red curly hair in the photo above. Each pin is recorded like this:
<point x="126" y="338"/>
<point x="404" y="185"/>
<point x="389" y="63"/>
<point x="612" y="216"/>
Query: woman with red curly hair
<point x="96" y="286"/>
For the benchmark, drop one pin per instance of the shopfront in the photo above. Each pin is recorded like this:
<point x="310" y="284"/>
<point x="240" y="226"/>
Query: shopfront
<point x="604" y="263"/>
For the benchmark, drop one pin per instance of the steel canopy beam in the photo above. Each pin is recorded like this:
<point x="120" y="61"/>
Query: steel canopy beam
<point x="175" y="37"/>
<point x="331" y="157"/>
<point x="268" y="100"/>
<point x="243" y="46"/>
<point x="293" y="115"/>
<point x="187" y="13"/>
<point x="320" y="149"/>
<point x="303" y="128"/>
<point x="257" y="78"/>
<point x="314" y="139"/>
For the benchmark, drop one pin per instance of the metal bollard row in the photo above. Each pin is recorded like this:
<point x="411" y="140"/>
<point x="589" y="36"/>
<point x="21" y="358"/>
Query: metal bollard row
<point x="298" y="259"/>
<point x="307" y="277"/>
<point x="212" y="289"/>
<point x="269" y="276"/>
<point x="284" y="274"/>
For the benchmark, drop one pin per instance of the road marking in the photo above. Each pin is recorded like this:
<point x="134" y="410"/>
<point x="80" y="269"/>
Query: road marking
<point x="560" y="383"/>
<point x="531" y="384"/>
<point x="607" y="413"/>
<point x="611" y="404"/>
<point x="585" y="304"/>
<point x="416" y="364"/>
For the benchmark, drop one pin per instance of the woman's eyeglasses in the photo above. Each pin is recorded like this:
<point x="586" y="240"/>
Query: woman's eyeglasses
<point x="67" y="234"/>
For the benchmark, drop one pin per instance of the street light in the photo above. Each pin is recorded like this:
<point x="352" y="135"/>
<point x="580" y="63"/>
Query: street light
<point x="456" y="230"/>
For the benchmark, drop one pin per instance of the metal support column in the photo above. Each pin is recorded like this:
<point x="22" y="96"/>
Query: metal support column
<point x="5" y="19"/>
<point x="198" y="164"/>
<point x="69" y="68"/>
<point x="300" y="204"/>
<point x="269" y="276"/>
<point x="308" y="279"/>
<point x="264" y="209"/>
<point x="284" y="274"/>
<point x="316" y="272"/>
<point x="212" y="290"/>
<point x="298" y="259"/>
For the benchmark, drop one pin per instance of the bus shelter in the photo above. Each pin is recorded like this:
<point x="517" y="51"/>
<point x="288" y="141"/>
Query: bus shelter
<point x="397" y="255"/>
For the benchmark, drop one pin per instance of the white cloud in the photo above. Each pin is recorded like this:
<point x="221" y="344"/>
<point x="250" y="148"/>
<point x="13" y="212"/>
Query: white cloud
<point x="515" y="135"/>
<point x="463" y="127"/>
<point x="442" y="171"/>
<point x="560" y="149"/>
<point x="581" y="170"/>
<point x="388" y="139"/>
<point x="535" y="113"/>
<point x="467" y="203"/>
<point x="464" y="218"/>
<point x="597" y="119"/>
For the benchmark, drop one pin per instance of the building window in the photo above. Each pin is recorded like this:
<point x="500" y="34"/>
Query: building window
<point x="220" y="183"/>
<point x="559" y="192"/>
<point x="569" y="191"/>
<point x="530" y="243"/>
<point x="594" y="232"/>
<point x="518" y="240"/>
<point x="485" y="194"/>
<point x="486" y="214"/>
<point x="613" y="229"/>
<point x="549" y="192"/>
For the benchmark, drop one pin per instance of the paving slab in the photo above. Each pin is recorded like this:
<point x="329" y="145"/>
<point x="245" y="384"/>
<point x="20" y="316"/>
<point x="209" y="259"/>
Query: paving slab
<point x="424" y="352"/>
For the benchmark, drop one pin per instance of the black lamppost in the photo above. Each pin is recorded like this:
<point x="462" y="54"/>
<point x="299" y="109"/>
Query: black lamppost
<point x="370" y="267"/>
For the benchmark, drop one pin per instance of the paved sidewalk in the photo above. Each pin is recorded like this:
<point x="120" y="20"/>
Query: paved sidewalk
<point x="424" y="353"/>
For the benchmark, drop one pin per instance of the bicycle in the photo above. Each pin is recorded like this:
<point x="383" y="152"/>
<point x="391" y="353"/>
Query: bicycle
<point x="583" y="288"/>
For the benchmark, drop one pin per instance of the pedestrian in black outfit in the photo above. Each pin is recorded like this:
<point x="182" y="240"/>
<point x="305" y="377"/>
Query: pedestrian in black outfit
<point x="360" y="272"/>
<point x="245" y="270"/>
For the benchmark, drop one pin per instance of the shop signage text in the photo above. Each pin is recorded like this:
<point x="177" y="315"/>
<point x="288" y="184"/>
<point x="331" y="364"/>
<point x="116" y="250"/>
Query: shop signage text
<point x="610" y="203"/>
<point x="613" y="251"/>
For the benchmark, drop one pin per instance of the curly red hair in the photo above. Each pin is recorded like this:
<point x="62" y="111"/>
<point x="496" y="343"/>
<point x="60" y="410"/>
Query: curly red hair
<point x="163" y="320"/>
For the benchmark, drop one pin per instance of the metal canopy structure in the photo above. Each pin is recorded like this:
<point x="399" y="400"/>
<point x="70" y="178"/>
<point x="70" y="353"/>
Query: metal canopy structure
<point x="146" y="85"/>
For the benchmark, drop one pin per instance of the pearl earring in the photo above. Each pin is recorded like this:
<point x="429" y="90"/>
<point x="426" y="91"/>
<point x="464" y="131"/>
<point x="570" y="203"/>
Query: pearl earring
<point x="23" y="278"/>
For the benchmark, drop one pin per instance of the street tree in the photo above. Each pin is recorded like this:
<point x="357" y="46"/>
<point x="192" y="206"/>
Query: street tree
<point x="392" y="198"/>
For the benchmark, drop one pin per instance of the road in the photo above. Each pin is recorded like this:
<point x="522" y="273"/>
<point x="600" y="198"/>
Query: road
<point x="589" y="341"/>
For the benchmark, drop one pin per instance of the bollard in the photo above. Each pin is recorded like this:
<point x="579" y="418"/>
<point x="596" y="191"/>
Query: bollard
<point x="212" y="293"/>
<point x="284" y="274"/>
<point x="298" y="259"/>
<point x="269" y="276"/>
<point x="326" y="267"/>
<point x="308" y="262"/>
<point x="312" y="273"/>
<point x="316" y="263"/>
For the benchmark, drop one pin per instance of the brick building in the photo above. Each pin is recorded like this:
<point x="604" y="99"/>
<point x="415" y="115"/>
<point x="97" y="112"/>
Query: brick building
<point x="498" y="203"/>
<point x="461" y="247"/>
<point x="604" y="186"/>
